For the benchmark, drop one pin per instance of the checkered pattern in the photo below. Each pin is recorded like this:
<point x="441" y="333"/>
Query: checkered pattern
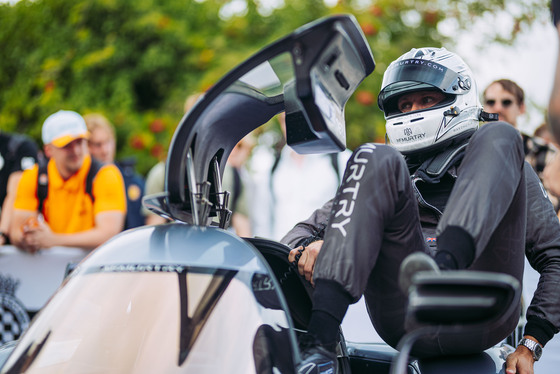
<point x="13" y="319"/>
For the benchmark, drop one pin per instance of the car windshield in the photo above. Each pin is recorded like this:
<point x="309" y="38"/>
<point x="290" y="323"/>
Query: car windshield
<point x="169" y="320"/>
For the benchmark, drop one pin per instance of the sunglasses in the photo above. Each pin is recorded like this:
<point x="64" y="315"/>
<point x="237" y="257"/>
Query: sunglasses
<point x="505" y="103"/>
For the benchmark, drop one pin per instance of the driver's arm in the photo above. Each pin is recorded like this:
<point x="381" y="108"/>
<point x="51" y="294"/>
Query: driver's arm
<point x="308" y="233"/>
<point x="543" y="253"/>
<point x="310" y="228"/>
<point x="306" y="258"/>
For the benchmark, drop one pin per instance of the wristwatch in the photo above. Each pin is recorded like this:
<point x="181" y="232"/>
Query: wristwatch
<point x="533" y="346"/>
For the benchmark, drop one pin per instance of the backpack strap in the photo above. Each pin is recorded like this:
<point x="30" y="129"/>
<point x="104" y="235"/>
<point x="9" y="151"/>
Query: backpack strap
<point x="43" y="181"/>
<point x="42" y="184"/>
<point x="93" y="169"/>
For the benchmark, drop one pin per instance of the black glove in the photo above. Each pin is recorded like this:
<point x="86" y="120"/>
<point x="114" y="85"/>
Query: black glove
<point x="555" y="11"/>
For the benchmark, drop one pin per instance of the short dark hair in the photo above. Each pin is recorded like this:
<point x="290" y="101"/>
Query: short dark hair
<point x="511" y="87"/>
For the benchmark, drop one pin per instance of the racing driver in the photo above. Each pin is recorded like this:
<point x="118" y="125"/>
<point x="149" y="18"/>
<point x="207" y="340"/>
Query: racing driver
<point x="445" y="194"/>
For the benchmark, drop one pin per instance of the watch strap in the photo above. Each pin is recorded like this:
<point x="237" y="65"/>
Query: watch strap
<point x="533" y="346"/>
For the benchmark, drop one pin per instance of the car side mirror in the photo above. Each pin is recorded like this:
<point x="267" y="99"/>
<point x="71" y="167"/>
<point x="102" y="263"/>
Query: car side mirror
<point x="461" y="298"/>
<point x="452" y="302"/>
<point x="315" y="104"/>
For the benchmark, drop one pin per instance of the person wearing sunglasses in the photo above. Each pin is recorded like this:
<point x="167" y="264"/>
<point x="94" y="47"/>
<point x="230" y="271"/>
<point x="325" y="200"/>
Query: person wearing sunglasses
<point x="505" y="98"/>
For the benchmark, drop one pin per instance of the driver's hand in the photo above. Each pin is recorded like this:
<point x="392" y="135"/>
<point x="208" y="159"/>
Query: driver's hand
<point x="306" y="263"/>
<point x="520" y="362"/>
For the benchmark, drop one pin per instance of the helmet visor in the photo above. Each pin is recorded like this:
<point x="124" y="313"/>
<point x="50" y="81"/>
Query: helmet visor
<point x="426" y="74"/>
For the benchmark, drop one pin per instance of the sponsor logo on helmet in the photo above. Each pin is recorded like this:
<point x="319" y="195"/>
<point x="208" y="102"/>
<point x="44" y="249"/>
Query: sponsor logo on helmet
<point x="409" y="137"/>
<point x="429" y="64"/>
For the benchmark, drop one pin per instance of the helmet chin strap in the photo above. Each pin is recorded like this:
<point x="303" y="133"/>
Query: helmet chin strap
<point x="487" y="117"/>
<point x="482" y="116"/>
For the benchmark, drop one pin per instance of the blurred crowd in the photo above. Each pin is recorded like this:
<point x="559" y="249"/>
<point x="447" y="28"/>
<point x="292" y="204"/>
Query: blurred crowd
<point x="74" y="192"/>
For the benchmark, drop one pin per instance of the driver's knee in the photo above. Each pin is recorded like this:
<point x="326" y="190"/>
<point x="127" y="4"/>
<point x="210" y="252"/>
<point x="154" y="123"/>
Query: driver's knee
<point x="498" y="137"/>
<point x="375" y="160"/>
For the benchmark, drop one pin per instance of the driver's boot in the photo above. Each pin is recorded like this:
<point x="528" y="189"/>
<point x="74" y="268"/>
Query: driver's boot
<point x="316" y="358"/>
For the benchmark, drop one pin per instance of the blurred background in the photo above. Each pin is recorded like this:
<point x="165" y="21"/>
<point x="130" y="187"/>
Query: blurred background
<point x="137" y="61"/>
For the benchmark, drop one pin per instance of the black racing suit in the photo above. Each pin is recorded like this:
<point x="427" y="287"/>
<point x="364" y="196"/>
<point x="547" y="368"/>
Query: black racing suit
<point x="381" y="213"/>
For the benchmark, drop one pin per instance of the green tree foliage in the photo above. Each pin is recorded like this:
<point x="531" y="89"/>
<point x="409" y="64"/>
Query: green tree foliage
<point x="137" y="61"/>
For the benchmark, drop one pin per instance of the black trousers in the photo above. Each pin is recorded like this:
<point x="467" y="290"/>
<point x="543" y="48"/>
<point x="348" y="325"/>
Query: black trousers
<point x="375" y="223"/>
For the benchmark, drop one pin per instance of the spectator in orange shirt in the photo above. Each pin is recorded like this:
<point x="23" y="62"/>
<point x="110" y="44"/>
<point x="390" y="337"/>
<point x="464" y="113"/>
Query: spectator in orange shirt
<point x="69" y="215"/>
